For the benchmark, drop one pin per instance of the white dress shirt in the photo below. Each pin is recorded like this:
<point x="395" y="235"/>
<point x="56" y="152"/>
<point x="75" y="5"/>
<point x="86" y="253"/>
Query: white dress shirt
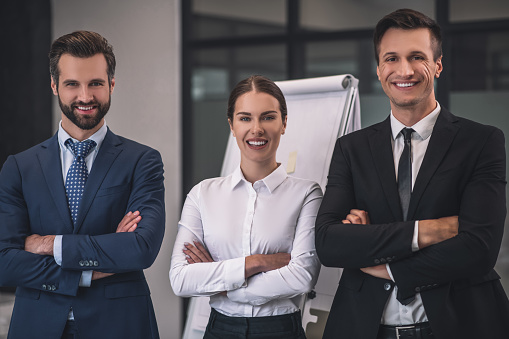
<point x="395" y="313"/>
<point x="235" y="219"/>
<point x="67" y="157"/>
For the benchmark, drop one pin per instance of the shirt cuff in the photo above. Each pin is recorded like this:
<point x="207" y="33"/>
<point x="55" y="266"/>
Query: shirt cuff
<point x="415" y="239"/>
<point x="86" y="278"/>
<point x="389" y="271"/>
<point x="57" y="249"/>
<point x="235" y="276"/>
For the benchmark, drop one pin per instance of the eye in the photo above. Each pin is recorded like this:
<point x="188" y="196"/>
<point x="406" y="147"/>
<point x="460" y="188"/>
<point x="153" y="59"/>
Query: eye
<point x="245" y="119"/>
<point x="269" y="117"/>
<point x="71" y="84"/>
<point x="94" y="84"/>
<point x="390" y="59"/>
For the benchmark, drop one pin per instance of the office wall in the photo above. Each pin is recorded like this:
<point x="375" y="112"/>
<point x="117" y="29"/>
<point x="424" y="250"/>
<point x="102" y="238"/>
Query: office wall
<point x="145" y="104"/>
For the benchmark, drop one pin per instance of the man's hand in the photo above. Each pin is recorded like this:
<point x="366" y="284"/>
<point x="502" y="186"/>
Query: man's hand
<point x="38" y="244"/>
<point x="128" y="224"/>
<point x="434" y="231"/>
<point x="357" y="217"/>
<point x="379" y="271"/>
<point x="196" y="253"/>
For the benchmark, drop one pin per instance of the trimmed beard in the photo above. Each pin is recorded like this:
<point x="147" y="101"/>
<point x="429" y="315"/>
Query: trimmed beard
<point x="85" y="122"/>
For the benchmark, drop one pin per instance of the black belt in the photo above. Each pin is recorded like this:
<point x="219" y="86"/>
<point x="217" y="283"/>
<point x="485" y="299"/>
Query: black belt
<point x="414" y="331"/>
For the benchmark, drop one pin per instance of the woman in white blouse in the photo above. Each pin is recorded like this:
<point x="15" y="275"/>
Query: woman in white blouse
<point x="247" y="240"/>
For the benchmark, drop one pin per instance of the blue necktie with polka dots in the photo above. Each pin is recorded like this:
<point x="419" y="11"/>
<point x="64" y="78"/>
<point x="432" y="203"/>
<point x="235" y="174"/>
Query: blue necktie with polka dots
<point x="77" y="174"/>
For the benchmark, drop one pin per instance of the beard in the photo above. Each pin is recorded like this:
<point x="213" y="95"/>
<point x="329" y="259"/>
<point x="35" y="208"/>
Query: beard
<point x="85" y="122"/>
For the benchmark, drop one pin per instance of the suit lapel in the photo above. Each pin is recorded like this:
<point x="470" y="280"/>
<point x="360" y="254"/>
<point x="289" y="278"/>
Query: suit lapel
<point x="381" y="148"/>
<point x="110" y="149"/>
<point x="49" y="158"/>
<point x="442" y="137"/>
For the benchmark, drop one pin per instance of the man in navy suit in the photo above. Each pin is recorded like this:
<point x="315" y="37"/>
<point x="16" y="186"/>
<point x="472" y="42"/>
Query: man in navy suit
<point x="414" y="207"/>
<point x="77" y="254"/>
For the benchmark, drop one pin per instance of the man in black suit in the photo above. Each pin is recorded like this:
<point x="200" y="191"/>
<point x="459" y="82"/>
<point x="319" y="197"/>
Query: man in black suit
<point x="415" y="206"/>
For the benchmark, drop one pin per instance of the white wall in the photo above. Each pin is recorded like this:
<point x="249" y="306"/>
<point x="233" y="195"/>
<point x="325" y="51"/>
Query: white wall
<point x="145" y="104"/>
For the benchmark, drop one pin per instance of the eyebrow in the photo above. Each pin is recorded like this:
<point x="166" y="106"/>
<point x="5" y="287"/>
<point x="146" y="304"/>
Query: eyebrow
<point x="263" y="113"/>
<point x="395" y="53"/>
<point x="68" y="81"/>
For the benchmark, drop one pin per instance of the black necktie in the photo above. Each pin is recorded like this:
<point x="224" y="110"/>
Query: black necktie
<point x="405" y="172"/>
<point x="405" y="187"/>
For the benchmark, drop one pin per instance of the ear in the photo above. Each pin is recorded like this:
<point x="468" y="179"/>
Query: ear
<point x="440" y="67"/>
<point x="378" y="73"/>
<point x="54" y="86"/>
<point x="231" y="127"/>
<point x="284" y="125"/>
<point x="112" y="85"/>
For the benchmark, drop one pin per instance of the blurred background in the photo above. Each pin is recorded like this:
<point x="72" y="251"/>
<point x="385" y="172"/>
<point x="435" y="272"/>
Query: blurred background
<point x="178" y="60"/>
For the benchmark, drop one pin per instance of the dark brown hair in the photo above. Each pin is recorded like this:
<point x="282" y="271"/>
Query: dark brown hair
<point x="256" y="83"/>
<point x="408" y="19"/>
<point x="81" y="44"/>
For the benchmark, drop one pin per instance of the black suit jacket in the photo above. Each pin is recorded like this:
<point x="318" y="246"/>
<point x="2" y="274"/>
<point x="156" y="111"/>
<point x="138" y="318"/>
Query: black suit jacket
<point x="463" y="173"/>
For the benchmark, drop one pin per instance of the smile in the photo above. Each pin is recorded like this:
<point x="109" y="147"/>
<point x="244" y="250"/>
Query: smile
<point x="82" y="108"/>
<point x="406" y="84"/>
<point x="257" y="143"/>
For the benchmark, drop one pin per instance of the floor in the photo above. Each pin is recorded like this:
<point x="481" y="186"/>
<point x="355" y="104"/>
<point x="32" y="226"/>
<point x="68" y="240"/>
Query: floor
<point x="6" y="303"/>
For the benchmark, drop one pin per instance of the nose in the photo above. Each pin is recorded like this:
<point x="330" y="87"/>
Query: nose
<point x="85" y="95"/>
<point x="405" y="68"/>
<point x="256" y="129"/>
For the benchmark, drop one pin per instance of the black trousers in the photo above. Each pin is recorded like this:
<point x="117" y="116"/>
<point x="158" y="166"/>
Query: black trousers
<point x="288" y="326"/>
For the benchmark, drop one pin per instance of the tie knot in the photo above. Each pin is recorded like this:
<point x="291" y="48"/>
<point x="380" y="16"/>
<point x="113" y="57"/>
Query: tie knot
<point x="81" y="149"/>
<point x="407" y="133"/>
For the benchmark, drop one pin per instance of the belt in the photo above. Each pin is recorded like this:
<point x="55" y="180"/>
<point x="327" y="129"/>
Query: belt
<point x="414" y="331"/>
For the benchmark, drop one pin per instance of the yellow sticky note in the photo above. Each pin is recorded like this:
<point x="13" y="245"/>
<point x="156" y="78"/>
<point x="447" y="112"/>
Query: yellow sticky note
<point x="292" y="161"/>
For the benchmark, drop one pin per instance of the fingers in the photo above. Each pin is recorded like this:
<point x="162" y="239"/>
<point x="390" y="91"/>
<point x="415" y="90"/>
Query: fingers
<point x="196" y="253"/>
<point x="129" y="222"/>
<point x="357" y="217"/>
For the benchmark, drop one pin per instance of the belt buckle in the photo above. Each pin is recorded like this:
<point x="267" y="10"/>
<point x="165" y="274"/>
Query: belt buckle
<point x="398" y="328"/>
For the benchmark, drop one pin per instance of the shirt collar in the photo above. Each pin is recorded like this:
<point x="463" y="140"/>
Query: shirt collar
<point x="98" y="136"/>
<point x="423" y="127"/>
<point x="271" y="181"/>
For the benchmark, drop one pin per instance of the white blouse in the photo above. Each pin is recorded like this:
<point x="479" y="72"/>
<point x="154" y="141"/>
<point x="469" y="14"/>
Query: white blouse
<point x="235" y="219"/>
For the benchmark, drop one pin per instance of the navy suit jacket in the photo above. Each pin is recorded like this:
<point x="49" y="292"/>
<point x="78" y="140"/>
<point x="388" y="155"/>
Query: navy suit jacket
<point x="126" y="176"/>
<point x="462" y="173"/>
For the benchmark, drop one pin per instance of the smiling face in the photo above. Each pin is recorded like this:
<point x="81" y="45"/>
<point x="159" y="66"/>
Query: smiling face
<point x="83" y="94"/>
<point x="407" y="70"/>
<point x="257" y="125"/>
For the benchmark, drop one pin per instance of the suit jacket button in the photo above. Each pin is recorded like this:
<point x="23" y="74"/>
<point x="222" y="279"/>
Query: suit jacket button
<point x="86" y="263"/>
<point x="53" y="287"/>
<point x="377" y="261"/>
<point x="382" y="260"/>
<point x="91" y="263"/>
<point x="96" y="263"/>
<point x="81" y="263"/>
<point x="417" y="289"/>
<point x="387" y="286"/>
<point x="44" y="287"/>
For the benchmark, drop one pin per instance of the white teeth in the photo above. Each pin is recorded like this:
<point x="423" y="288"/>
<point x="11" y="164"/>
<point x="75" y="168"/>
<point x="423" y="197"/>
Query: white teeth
<point x="409" y="84"/>
<point x="257" y="143"/>
<point x="85" y="108"/>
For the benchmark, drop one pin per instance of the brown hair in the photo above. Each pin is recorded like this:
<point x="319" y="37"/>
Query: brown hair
<point x="81" y="44"/>
<point x="408" y="19"/>
<point x="256" y="83"/>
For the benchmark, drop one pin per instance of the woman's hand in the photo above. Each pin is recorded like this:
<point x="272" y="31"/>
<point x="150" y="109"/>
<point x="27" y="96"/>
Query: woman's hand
<point x="257" y="263"/>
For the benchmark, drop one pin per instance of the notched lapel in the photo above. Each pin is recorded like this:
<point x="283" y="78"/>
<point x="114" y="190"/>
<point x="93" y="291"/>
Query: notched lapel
<point x="49" y="158"/>
<point x="443" y="134"/>
<point x="109" y="151"/>
<point x="381" y="149"/>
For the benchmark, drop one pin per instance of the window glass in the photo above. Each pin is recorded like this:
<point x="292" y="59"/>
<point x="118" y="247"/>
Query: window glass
<point x="474" y="10"/>
<point x="233" y="18"/>
<point x="333" y="15"/>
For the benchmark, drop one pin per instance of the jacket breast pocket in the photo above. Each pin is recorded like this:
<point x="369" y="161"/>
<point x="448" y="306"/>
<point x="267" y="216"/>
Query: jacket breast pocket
<point x="112" y="190"/>
<point x="126" y="289"/>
